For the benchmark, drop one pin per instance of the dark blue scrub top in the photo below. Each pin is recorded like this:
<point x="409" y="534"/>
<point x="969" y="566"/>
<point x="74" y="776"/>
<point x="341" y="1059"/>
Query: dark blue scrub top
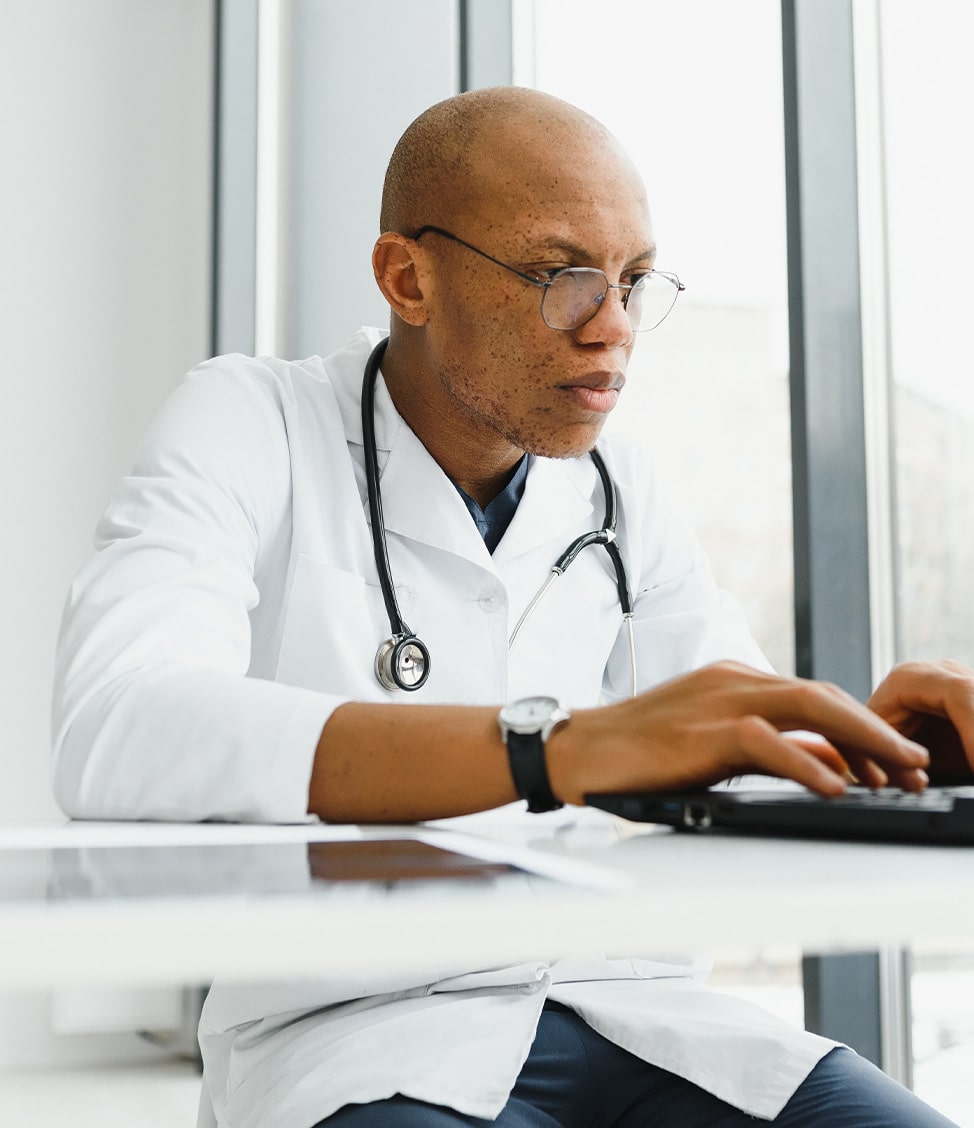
<point x="492" y="522"/>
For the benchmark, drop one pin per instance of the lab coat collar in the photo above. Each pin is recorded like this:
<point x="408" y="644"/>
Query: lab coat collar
<point x="420" y="502"/>
<point x="557" y="497"/>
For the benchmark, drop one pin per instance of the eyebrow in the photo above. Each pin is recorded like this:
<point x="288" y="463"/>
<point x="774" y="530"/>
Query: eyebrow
<point x="560" y="247"/>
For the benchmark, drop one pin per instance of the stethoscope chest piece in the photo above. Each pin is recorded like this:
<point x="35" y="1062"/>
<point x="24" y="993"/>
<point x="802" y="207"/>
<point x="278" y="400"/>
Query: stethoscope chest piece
<point x="402" y="662"/>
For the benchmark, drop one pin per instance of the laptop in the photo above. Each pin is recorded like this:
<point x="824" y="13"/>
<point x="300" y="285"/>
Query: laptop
<point x="939" y="815"/>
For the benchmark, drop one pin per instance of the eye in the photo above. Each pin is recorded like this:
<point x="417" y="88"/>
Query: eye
<point x="638" y="276"/>
<point x="547" y="273"/>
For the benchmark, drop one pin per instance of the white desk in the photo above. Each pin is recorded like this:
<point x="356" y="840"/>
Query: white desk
<point x="68" y="919"/>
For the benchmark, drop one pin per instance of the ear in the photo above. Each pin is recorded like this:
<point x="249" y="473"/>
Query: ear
<point x="399" y="276"/>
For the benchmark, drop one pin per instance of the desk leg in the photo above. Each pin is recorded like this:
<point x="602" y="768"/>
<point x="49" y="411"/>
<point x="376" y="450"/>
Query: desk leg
<point x="863" y="999"/>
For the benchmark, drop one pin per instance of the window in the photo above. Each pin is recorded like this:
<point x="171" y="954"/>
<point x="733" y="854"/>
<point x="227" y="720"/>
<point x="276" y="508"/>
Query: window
<point x="694" y="94"/>
<point x="928" y="116"/>
<point x="927" y="97"/>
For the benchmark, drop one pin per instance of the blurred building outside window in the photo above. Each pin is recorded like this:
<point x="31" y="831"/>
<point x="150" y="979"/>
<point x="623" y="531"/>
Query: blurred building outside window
<point x="693" y="91"/>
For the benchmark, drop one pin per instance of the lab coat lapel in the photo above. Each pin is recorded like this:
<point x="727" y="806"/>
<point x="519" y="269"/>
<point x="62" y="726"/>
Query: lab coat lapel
<point x="557" y="499"/>
<point x="418" y="500"/>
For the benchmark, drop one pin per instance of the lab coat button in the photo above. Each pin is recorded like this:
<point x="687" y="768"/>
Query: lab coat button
<point x="490" y="601"/>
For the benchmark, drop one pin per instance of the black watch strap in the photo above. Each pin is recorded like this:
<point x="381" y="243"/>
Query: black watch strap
<point x="525" y="750"/>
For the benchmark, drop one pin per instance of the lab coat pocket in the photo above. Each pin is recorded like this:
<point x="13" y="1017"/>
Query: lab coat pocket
<point x="334" y="624"/>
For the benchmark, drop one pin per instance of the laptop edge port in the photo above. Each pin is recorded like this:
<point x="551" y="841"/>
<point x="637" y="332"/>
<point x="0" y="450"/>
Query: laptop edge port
<point x="696" y="816"/>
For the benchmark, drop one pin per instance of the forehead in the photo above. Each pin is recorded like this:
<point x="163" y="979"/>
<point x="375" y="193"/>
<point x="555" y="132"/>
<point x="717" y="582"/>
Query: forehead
<point x="560" y="186"/>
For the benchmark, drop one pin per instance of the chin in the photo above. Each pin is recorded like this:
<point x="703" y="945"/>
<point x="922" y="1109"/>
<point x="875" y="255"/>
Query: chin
<point x="575" y="442"/>
<point x="564" y="449"/>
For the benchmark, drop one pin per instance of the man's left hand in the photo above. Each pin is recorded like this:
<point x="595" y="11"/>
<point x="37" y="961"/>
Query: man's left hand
<point x="933" y="704"/>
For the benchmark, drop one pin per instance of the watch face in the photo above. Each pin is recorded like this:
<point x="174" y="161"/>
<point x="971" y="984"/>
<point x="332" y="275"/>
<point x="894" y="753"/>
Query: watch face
<point x="531" y="712"/>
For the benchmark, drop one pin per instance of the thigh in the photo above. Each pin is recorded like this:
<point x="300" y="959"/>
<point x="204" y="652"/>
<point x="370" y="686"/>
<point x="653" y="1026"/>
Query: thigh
<point x="403" y="1112"/>
<point x="546" y="1095"/>
<point x="573" y="1078"/>
<point x="846" y="1091"/>
<point x="842" y="1091"/>
<point x="399" y="1112"/>
<point x="605" y="1086"/>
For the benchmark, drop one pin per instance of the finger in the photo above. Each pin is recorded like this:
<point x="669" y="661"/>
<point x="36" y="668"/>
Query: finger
<point x="843" y="721"/>
<point x="828" y="754"/>
<point x="949" y="762"/>
<point x="914" y="690"/>
<point x="919" y="687"/>
<point x="867" y="773"/>
<point x="910" y="779"/>
<point x="860" y="769"/>
<point x="766" y="750"/>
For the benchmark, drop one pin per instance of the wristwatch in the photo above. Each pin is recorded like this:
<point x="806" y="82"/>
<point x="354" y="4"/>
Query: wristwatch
<point x="525" y="726"/>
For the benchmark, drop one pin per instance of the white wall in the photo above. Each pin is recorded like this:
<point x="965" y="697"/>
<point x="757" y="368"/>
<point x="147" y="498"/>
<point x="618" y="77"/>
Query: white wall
<point x="105" y="138"/>
<point x="106" y="145"/>
<point x="357" y="75"/>
<point x="105" y="211"/>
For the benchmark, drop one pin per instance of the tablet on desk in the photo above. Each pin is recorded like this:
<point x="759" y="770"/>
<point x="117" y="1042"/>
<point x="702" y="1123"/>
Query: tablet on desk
<point x="267" y="869"/>
<point x="940" y="815"/>
<point x="318" y="862"/>
<point x="397" y="859"/>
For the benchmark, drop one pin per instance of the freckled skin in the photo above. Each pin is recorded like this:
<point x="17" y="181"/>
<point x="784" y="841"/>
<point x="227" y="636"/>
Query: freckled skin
<point x="477" y="374"/>
<point x="480" y="379"/>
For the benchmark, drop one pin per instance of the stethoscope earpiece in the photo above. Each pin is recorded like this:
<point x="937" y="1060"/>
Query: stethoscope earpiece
<point x="402" y="662"/>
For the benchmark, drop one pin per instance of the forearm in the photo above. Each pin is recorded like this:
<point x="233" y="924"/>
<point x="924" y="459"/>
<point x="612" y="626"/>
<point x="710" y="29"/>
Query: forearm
<point x="402" y="763"/>
<point x="406" y="763"/>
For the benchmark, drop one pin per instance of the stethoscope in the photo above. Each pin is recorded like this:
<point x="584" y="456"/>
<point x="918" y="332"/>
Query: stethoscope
<point x="403" y="660"/>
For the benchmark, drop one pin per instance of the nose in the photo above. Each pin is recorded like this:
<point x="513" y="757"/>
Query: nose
<point x="611" y="326"/>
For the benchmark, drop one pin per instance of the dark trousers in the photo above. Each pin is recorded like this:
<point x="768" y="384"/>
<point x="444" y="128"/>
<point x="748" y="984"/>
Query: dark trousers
<point x="575" y="1078"/>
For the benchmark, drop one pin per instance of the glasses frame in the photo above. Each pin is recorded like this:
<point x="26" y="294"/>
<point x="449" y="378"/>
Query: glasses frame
<point x="545" y="283"/>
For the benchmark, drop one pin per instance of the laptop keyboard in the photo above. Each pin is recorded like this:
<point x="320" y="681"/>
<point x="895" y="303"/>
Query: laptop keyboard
<point x="883" y="799"/>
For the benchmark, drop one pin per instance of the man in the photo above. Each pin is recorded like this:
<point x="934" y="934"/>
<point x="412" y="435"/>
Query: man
<point x="218" y="657"/>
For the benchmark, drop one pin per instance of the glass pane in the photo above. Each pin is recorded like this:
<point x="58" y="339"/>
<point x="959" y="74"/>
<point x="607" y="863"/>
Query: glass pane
<point x="941" y="988"/>
<point x="693" y="91"/>
<point x="928" y="120"/>
<point x="928" y="94"/>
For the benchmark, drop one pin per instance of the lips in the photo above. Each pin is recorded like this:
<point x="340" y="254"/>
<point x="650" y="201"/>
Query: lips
<point x="596" y="392"/>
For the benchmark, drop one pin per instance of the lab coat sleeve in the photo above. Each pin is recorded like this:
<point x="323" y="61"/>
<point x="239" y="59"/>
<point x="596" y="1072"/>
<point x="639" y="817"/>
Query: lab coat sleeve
<point x="154" y="714"/>
<point x="682" y="620"/>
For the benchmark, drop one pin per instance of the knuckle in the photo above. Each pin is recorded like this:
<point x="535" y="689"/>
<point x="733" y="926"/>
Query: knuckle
<point x="963" y="673"/>
<point x="712" y="677"/>
<point x="750" y="729"/>
<point x="807" y="693"/>
<point x="727" y="669"/>
<point x="834" y="690"/>
<point x="815" y="691"/>
<point x="718" y="670"/>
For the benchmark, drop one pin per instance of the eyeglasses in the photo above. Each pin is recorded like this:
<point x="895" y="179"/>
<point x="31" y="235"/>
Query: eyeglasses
<point x="573" y="296"/>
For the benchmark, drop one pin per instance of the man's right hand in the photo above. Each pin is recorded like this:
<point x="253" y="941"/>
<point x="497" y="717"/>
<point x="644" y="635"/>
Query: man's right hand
<point x="725" y="720"/>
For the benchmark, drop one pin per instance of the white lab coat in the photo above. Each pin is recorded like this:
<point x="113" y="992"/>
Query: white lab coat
<point x="234" y="603"/>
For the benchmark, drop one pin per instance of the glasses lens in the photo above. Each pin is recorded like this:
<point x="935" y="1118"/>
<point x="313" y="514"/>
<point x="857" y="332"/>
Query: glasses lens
<point x="650" y="300"/>
<point x="573" y="297"/>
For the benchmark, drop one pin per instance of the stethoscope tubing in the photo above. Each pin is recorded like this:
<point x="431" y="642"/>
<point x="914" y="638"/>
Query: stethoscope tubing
<point x="404" y="641"/>
<point x="380" y="548"/>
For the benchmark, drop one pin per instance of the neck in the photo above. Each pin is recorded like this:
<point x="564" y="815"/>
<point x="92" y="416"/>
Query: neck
<point x="479" y="461"/>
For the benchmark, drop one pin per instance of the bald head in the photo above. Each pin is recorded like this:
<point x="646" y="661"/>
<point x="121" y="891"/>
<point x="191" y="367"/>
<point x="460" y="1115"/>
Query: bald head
<point x="514" y="188"/>
<point x="461" y="151"/>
